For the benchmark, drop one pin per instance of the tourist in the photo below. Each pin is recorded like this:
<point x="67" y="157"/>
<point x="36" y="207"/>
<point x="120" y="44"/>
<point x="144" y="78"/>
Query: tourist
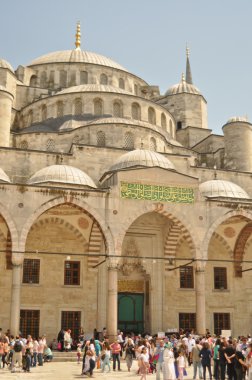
<point x="17" y="354"/>
<point x="230" y="355"/>
<point x="35" y="352"/>
<point x="129" y="353"/>
<point x="67" y="340"/>
<point x="181" y="360"/>
<point x="116" y="349"/>
<point x="196" y="360"/>
<point x="168" y="366"/>
<point x="216" y="358"/>
<point x="105" y="356"/>
<point x="41" y="347"/>
<point x="206" y="355"/>
<point x="249" y="361"/>
<point x="143" y="363"/>
<point x="61" y="336"/>
<point x="160" y="361"/>
<point x="190" y="345"/>
<point x="78" y="352"/>
<point x="48" y="356"/>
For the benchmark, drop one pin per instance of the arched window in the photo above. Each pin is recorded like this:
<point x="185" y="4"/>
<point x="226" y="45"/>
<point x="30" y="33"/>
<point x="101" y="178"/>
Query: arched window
<point x="43" y="112"/>
<point x="153" y="144"/>
<point x="129" y="140"/>
<point x="135" y="89"/>
<point x="163" y="121"/>
<point x="179" y="125"/>
<point x="98" y="107"/>
<point x="121" y="83"/>
<point x="101" y="139"/>
<point x="136" y="111"/>
<point x="30" y="118"/>
<point x="50" y="145"/>
<point x="103" y="79"/>
<point x="24" y="144"/>
<point x="51" y="79"/>
<point x="83" y="77"/>
<point x="63" y="78"/>
<point x="77" y="106"/>
<point x="21" y="122"/>
<point x="60" y="109"/>
<point x="76" y="139"/>
<point x="151" y="115"/>
<point x="117" y="109"/>
<point x="33" y="81"/>
<point x="72" y="81"/>
<point x="43" y="79"/>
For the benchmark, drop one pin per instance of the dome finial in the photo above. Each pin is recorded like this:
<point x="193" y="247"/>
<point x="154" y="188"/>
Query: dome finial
<point x="78" y="36"/>
<point x="183" y="78"/>
<point x="188" y="67"/>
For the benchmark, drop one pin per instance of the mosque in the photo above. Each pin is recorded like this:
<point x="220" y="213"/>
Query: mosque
<point x="119" y="207"/>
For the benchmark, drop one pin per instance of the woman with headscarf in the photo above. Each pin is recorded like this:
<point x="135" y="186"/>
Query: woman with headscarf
<point x="168" y="366"/>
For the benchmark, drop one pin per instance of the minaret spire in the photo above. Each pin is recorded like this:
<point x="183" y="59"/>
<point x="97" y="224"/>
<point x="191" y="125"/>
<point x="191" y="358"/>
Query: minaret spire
<point x="78" y="36"/>
<point x="188" y="67"/>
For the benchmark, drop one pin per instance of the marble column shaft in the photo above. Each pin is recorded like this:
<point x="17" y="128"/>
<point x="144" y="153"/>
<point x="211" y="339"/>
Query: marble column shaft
<point x="200" y="301"/>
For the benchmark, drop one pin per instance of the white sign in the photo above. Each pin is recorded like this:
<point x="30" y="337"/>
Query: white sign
<point x="161" y="334"/>
<point x="226" y="333"/>
<point x="172" y="330"/>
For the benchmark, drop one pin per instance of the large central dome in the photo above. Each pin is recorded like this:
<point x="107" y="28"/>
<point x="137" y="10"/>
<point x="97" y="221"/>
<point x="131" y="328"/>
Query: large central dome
<point x="76" y="56"/>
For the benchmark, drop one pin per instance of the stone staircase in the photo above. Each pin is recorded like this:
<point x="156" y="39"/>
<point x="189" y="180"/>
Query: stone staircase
<point x="65" y="356"/>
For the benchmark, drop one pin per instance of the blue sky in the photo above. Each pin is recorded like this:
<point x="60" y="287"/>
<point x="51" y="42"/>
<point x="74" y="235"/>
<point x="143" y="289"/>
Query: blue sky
<point x="148" y="37"/>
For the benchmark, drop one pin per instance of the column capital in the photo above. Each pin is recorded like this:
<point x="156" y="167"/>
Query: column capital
<point x="17" y="258"/>
<point x="113" y="263"/>
<point x="200" y="266"/>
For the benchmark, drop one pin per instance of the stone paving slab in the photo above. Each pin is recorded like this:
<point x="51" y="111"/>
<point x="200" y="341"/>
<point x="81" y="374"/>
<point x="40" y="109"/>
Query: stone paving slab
<point x="72" y="371"/>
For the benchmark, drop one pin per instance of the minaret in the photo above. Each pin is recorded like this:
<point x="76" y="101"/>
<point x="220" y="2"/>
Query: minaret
<point x="188" y="67"/>
<point x="78" y="37"/>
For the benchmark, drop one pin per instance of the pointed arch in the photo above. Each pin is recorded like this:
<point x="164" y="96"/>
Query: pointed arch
<point x="239" y="249"/>
<point x="93" y="214"/>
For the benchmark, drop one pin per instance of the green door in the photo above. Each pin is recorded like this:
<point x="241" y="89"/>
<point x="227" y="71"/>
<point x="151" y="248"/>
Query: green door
<point x="130" y="312"/>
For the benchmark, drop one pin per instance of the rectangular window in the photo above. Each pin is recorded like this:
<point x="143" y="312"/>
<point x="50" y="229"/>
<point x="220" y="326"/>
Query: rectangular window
<point x="221" y="322"/>
<point x="31" y="268"/>
<point x="186" y="278"/>
<point x="29" y="323"/>
<point x="187" y="321"/>
<point x="71" y="320"/>
<point x="72" y="273"/>
<point x="220" y="278"/>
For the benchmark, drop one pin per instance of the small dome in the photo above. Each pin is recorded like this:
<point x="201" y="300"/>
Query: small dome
<point x="6" y="65"/>
<point x="94" y="88"/>
<point x="63" y="174"/>
<point x="235" y="119"/>
<point x="76" y="56"/>
<point x="4" y="177"/>
<point x="218" y="188"/>
<point x="183" y="87"/>
<point x="142" y="158"/>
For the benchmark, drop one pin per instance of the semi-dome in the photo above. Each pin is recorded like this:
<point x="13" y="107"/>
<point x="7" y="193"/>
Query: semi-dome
<point x="4" y="177"/>
<point x="94" y="88"/>
<point x="142" y="158"/>
<point x="6" y="65"/>
<point x="76" y="56"/>
<point x="63" y="174"/>
<point x="219" y="188"/>
<point x="183" y="87"/>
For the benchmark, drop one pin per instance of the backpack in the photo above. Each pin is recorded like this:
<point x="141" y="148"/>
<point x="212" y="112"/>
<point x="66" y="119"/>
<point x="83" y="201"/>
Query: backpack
<point x="17" y="346"/>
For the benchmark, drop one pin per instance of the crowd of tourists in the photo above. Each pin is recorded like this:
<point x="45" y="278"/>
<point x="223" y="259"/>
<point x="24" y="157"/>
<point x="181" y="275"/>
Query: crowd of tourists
<point x="167" y="357"/>
<point x="23" y="353"/>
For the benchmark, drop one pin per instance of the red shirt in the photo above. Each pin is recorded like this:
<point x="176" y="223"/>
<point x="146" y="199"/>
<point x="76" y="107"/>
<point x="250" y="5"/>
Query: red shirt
<point x="116" y="348"/>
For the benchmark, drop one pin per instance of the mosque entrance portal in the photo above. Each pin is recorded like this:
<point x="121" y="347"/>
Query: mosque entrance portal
<point x="131" y="312"/>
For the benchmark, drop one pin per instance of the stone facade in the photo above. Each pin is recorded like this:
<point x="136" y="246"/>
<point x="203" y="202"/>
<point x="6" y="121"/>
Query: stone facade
<point x="109" y="188"/>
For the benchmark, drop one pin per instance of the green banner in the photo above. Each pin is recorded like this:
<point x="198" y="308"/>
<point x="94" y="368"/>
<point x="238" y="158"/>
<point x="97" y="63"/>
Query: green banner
<point x="172" y="194"/>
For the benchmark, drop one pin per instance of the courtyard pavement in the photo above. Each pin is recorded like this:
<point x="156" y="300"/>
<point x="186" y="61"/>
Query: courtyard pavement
<point x="72" y="371"/>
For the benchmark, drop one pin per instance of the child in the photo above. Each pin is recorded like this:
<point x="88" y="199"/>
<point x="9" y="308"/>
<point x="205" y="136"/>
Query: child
<point x="27" y="360"/>
<point x="181" y="364"/>
<point x="78" y="352"/>
<point x="143" y="364"/>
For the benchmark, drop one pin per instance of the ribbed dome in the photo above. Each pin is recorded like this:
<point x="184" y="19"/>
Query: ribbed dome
<point x="76" y="56"/>
<point x="219" y="188"/>
<point x="63" y="174"/>
<point x="183" y="87"/>
<point x="6" y="65"/>
<point x="142" y="158"/>
<point x="94" y="88"/>
<point x="3" y="176"/>
<point x="234" y="119"/>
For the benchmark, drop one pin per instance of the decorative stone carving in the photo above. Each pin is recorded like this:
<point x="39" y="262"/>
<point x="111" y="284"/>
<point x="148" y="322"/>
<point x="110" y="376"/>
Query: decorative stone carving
<point x="17" y="258"/>
<point x="112" y="263"/>
<point x="132" y="261"/>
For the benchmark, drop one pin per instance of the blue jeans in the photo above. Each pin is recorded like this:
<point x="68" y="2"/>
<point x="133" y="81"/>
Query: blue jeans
<point x="105" y="362"/>
<point x="34" y="359"/>
<point x="197" y="365"/>
<point x="116" y="358"/>
<point x="40" y="359"/>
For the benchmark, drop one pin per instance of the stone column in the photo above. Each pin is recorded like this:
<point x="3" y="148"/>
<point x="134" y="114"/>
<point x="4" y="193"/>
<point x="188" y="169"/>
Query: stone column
<point x="17" y="261"/>
<point x="200" y="299"/>
<point x="112" y="307"/>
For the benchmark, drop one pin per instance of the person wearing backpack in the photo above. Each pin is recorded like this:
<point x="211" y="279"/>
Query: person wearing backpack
<point x="17" y="354"/>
